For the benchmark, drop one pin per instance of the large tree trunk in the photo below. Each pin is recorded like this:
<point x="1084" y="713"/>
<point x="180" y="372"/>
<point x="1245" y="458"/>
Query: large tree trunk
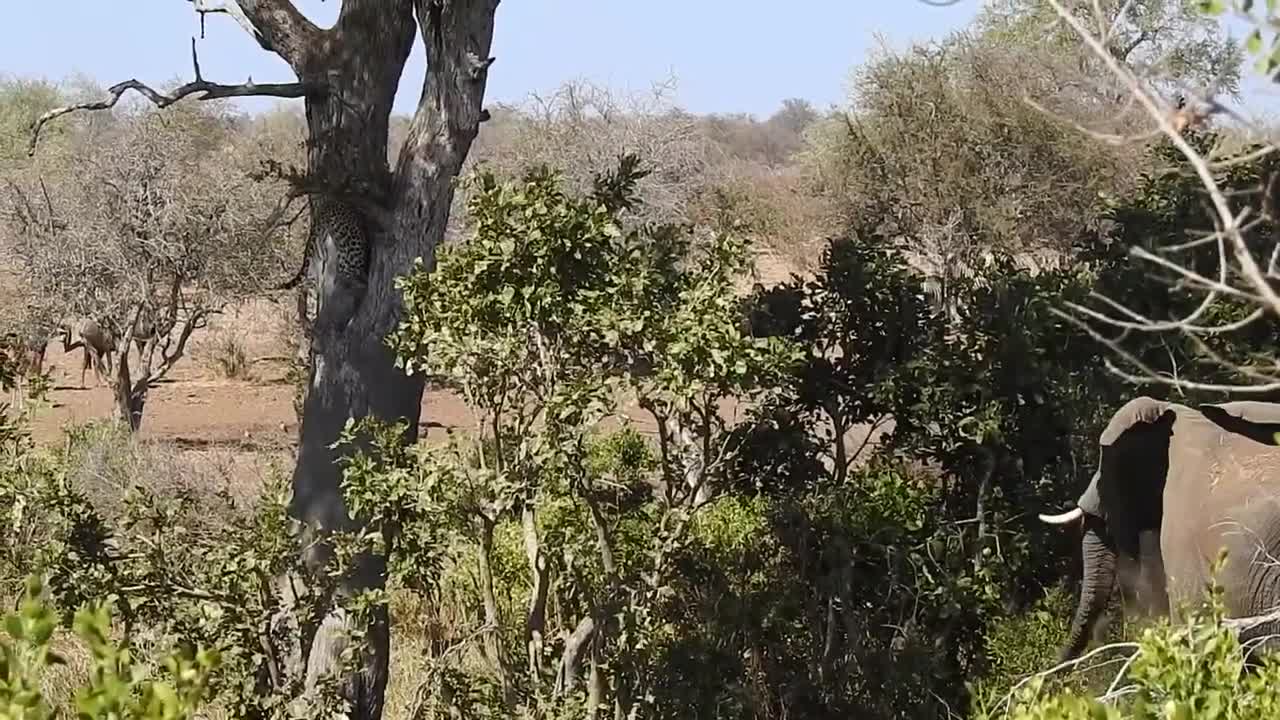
<point x="349" y="75"/>
<point x="352" y="372"/>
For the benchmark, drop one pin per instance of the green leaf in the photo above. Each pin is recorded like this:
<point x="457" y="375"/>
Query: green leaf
<point x="1212" y="7"/>
<point x="14" y="626"/>
<point x="1253" y="43"/>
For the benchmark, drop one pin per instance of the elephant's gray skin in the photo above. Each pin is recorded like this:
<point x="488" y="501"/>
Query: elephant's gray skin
<point x="1200" y="479"/>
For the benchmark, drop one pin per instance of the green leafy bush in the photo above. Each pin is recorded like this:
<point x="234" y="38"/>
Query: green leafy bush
<point x="1196" y="669"/>
<point x="118" y="687"/>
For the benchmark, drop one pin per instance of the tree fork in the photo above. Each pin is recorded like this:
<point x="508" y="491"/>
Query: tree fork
<point x="353" y="374"/>
<point x="348" y="76"/>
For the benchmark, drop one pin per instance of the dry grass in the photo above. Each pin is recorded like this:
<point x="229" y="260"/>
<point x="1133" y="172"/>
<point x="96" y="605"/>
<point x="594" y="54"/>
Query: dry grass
<point x="106" y="463"/>
<point x="61" y="681"/>
<point x="409" y="656"/>
<point x="790" y="222"/>
<point x="223" y="353"/>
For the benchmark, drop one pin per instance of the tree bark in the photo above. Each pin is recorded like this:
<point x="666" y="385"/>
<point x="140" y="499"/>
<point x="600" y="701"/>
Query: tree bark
<point x="576" y="650"/>
<point x="130" y="396"/>
<point x="984" y="489"/>
<point x="353" y="375"/>
<point x="348" y="76"/>
<point x="586" y="642"/>
<point x="493" y="623"/>
<point x="535" y="622"/>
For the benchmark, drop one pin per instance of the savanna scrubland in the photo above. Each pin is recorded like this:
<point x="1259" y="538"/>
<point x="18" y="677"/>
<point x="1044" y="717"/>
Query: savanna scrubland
<point x="715" y="416"/>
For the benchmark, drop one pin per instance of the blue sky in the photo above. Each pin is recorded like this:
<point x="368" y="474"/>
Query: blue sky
<point x="727" y="55"/>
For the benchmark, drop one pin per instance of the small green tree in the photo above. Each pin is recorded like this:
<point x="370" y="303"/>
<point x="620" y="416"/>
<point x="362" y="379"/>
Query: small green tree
<point x="545" y="320"/>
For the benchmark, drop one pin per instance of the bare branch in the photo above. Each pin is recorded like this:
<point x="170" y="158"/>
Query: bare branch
<point x="1150" y="375"/>
<point x="208" y="90"/>
<point x="300" y="183"/>
<point x="1245" y="159"/>
<point x="1238" y="276"/>
<point x="1130" y="649"/>
<point x="169" y="358"/>
<point x="1222" y="362"/>
<point x="205" y="7"/>
<point x="276" y="25"/>
<point x="1167" y="123"/>
<point x="1109" y="138"/>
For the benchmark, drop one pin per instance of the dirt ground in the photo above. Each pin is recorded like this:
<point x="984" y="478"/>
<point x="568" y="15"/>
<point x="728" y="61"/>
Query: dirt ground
<point x="197" y="405"/>
<point x="245" y="420"/>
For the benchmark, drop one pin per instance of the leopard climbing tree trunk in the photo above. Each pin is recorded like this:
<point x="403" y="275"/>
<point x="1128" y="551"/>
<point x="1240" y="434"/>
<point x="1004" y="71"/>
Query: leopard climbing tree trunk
<point x="352" y="372"/>
<point x="359" y="63"/>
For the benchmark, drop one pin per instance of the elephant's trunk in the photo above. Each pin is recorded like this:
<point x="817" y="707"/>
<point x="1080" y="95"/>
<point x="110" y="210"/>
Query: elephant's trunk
<point x="1098" y="579"/>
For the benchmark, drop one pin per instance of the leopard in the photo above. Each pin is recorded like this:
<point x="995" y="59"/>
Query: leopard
<point x="342" y="222"/>
<point x="338" y="236"/>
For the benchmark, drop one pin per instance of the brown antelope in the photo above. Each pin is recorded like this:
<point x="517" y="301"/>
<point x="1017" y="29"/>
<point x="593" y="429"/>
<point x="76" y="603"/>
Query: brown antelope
<point x="97" y="341"/>
<point x="28" y="353"/>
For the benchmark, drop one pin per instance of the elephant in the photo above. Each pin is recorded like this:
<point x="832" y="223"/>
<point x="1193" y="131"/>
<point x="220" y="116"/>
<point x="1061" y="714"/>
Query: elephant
<point x="1174" y="486"/>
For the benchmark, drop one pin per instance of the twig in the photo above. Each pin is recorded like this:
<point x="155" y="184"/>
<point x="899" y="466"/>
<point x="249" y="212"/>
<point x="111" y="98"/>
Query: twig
<point x="209" y="90"/>
<point x="1150" y="375"/>
<point x="1229" y="219"/>
<point x="1006" y="701"/>
<point x="205" y="7"/>
<point x="1248" y="623"/>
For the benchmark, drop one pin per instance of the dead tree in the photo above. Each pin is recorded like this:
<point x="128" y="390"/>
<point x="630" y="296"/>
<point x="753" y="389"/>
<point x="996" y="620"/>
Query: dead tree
<point x="347" y="76"/>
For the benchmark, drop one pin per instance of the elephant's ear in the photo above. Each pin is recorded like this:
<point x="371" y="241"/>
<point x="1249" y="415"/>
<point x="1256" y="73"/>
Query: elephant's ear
<point x="1258" y="421"/>
<point x="1138" y="410"/>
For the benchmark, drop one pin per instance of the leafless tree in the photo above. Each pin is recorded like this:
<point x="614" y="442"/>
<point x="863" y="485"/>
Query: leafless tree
<point x="347" y="75"/>
<point x="144" y="235"/>
<point x="581" y="128"/>
<point x="1240" y="276"/>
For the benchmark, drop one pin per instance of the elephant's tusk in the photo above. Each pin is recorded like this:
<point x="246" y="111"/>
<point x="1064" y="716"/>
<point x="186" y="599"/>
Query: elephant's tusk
<point x="1062" y="519"/>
